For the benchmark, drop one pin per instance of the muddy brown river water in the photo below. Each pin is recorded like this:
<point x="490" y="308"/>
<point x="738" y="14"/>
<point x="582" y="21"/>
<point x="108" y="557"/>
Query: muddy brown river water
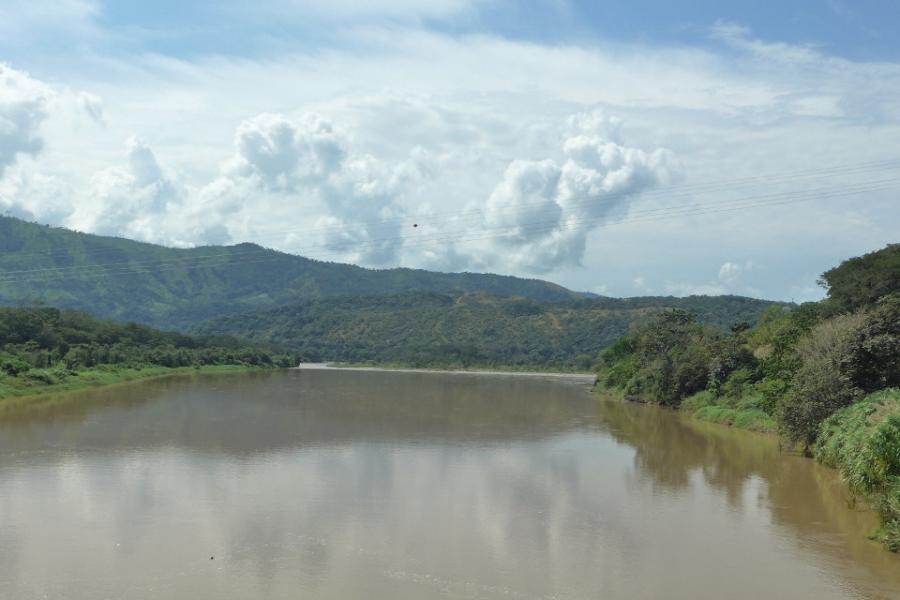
<point x="375" y="485"/>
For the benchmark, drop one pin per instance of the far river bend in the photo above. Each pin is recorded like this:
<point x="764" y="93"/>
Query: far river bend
<point x="376" y="485"/>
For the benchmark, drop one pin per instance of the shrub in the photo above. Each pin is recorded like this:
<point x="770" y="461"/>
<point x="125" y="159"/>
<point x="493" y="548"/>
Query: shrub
<point x="841" y="360"/>
<point x="772" y="390"/>
<point x="822" y="384"/>
<point x="40" y="376"/>
<point x="737" y="383"/>
<point x="698" y="401"/>
<point x="753" y="420"/>
<point x="13" y="365"/>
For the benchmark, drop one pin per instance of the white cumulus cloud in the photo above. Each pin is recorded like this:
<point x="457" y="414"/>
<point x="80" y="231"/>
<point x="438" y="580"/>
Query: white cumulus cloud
<point x="333" y="198"/>
<point x="130" y="200"/>
<point x="23" y="108"/>
<point x="730" y="281"/>
<point x="284" y="154"/>
<point x="464" y="134"/>
<point x="543" y="210"/>
<point x="730" y="272"/>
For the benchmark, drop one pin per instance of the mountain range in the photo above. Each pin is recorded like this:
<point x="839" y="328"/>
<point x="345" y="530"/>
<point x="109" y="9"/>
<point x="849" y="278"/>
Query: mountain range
<point x="165" y="287"/>
<point x="329" y="311"/>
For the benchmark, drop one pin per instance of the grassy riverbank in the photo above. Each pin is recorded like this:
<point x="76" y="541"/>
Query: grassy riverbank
<point x="704" y="406"/>
<point x="458" y="368"/>
<point x="862" y="441"/>
<point x="733" y="412"/>
<point x="20" y="393"/>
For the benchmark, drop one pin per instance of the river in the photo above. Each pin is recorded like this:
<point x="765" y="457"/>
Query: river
<point x="376" y="485"/>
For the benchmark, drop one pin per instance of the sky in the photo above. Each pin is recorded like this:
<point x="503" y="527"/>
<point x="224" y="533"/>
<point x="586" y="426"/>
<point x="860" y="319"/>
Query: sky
<point x="619" y="147"/>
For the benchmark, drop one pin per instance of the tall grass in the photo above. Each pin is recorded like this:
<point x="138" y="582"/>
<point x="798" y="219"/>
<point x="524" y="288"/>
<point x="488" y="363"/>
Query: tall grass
<point x="17" y="393"/>
<point x="862" y="441"/>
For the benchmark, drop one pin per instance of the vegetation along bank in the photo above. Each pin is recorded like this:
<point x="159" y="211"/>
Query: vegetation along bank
<point x="824" y="375"/>
<point x="46" y="350"/>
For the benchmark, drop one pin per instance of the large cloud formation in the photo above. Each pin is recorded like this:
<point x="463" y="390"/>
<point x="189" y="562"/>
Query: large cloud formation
<point x="302" y="183"/>
<point x="31" y="191"/>
<point x="543" y="210"/>
<point x="346" y="202"/>
<point x="130" y="200"/>
<point x="23" y="107"/>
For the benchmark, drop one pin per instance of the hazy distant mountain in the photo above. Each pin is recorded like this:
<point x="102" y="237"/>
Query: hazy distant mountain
<point x="174" y="288"/>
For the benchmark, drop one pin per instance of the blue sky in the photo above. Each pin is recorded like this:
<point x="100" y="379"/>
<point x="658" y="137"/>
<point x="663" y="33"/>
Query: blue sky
<point x="589" y="143"/>
<point x="860" y="30"/>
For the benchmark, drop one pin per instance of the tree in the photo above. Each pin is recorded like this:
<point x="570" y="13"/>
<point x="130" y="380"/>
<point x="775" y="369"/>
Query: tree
<point x="861" y="281"/>
<point x="841" y="360"/>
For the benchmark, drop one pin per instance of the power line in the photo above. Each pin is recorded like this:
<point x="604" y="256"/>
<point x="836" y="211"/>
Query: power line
<point x="669" y="192"/>
<point x="530" y="227"/>
<point x="593" y="201"/>
<point x="674" y="192"/>
<point x="254" y="257"/>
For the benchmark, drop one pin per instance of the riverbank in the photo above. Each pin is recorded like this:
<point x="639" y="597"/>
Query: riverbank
<point x="588" y="377"/>
<point x="861" y="442"/>
<point x="704" y="407"/>
<point x="18" y="393"/>
<point x="732" y="412"/>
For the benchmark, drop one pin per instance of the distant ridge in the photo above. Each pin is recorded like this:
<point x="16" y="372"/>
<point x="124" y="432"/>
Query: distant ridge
<point x="165" y="287"/>
<point x="427" y="329"/>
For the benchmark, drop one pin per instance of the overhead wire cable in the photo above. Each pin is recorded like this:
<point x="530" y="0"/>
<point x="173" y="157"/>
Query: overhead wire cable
<point x="230" y="252"/>
<point x="635" y="216"/>
<point x="475" y="213"/>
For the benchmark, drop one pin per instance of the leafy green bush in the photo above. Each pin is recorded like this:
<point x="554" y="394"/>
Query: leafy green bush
<point x="821" y="385"/>
<point x="697" y="401"/>
<point x="41" y="376"/>
<point x="772" y="390"/>
<point x="618" y="363"/>
<point x="662" y="361"/>
<point x="841" y="360"/>
<point x="738" y="383"/>
<point x="13" y="365"/>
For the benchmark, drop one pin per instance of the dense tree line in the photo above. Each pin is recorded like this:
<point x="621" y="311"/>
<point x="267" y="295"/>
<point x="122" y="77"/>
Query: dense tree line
<point x="861" y="281"/>
<point x="36" y="341"/>
<point x="801" y="370"/>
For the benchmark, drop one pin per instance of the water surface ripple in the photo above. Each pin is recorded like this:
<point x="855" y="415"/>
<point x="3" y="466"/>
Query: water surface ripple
<point x="377" y="485"/>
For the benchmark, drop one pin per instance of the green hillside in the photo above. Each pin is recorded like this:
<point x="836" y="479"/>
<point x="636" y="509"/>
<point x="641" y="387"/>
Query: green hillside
<point x="173" y="288"/>
<point x="430" y="329"/>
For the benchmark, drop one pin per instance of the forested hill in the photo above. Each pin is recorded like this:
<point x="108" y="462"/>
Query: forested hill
<point x="461" y="330"/>
<point x="174" y="288"/>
